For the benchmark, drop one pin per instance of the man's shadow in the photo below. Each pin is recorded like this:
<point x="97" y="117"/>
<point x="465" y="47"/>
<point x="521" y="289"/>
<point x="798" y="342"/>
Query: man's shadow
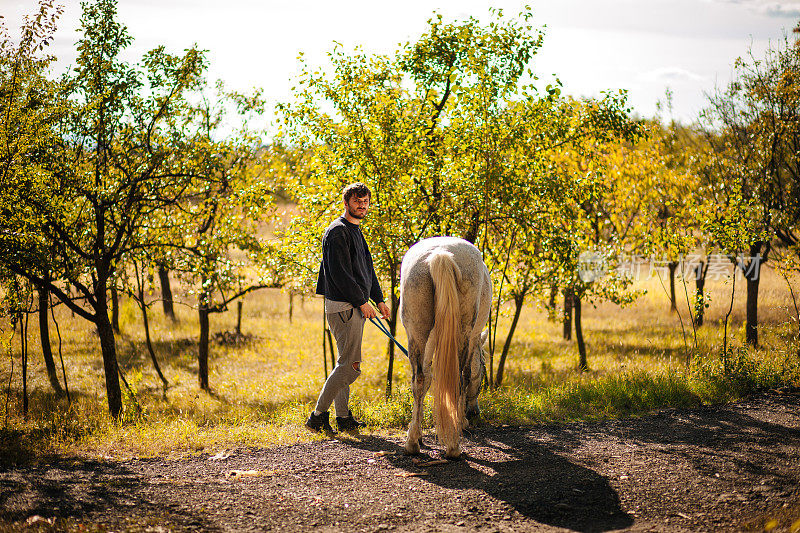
<point x="510" y="466"/>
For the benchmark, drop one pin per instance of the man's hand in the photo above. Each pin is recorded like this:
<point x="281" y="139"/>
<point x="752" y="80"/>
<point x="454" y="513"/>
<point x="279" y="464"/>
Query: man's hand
<point x="367" y="310"/>
<point x="382" y="307"/>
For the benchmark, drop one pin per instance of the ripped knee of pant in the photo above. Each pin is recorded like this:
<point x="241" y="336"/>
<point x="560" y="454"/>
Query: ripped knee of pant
<point x="357" y="366"/>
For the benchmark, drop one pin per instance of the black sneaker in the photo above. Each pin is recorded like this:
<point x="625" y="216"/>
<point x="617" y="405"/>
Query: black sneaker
<point x="319" y="423"/>
<point x="349" y="423"/>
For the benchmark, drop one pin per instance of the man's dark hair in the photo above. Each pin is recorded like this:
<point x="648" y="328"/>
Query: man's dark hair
<point x="358" y="189"/>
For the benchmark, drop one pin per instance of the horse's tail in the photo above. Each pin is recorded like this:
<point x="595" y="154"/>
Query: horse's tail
<point x="447" y="389"/>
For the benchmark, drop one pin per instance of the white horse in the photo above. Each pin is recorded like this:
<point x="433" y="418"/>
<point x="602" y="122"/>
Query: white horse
<point x="445" y="295"/>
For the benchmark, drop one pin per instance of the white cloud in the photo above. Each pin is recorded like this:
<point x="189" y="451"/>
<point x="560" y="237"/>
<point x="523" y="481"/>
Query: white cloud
<point x="779" y="9"/>
<point x="671" y="74"/>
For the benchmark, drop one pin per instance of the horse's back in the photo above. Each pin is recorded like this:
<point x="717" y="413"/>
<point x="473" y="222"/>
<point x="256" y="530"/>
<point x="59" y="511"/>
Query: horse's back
<point x="417" y="290"/>
<point x="468" y="258"/>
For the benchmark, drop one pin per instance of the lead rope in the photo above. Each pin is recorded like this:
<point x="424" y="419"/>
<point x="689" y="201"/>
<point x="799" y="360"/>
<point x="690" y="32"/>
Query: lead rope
<point x="381" y="326"/>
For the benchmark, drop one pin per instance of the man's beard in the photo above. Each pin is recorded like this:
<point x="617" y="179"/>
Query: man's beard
<point x="355" y="214"/>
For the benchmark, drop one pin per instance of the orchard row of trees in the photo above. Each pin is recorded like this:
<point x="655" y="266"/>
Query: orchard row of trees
<point x="116" y="171"/>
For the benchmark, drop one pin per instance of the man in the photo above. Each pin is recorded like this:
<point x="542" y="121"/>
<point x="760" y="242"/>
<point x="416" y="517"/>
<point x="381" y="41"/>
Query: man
<point x="347" y="280"/>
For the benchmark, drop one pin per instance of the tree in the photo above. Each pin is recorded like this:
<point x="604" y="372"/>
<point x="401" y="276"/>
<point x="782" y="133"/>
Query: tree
<point x="220" y="254"/>
<point x="27" y="113"/>
<point x="114" y="156"/>
<point x="444" y="134"/>
<point x="756" y="118"/>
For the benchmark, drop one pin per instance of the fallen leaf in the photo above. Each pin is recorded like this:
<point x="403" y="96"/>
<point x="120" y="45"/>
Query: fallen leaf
<point x="220" y="456"/>
<point x="250" y="473"/>
<point x="382" y="453"/>
<point x="411" y="474"/>
<point x="433" y="462"/>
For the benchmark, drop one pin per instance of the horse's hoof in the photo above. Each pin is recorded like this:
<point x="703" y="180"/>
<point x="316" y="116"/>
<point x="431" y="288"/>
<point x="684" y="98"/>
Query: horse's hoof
<point x="453" y="457"/>
<point x="412" y="451"/>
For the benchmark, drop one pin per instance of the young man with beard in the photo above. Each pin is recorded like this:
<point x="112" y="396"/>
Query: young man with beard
<point x="347" y="280"/>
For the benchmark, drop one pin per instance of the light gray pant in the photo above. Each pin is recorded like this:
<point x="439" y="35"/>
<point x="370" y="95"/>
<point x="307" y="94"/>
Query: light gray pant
<point x="347" y="328"/>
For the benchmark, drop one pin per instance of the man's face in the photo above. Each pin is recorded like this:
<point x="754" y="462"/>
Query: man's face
<point x="357" y="207"/>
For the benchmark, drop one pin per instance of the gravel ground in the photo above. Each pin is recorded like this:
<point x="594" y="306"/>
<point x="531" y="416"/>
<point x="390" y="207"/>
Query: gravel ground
<point x="720" y="468"/>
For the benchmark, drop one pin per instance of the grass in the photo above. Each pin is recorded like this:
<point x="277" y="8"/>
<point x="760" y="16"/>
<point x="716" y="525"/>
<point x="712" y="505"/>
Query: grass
<point x="263" y="389"/>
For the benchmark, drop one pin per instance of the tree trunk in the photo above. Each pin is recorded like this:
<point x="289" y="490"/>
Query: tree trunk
<point x="751" y="327"/>
<point x="23" y="355"/>
<point x="673" y="306"/>
<point x="146" y="323"/>
<point x="568" y="299"/>
<point x="393" y="331"/>
<point x="44" y="334"/>
<point x="291" y="306"/>
<point x="518" y="301"/>
<point x="752" y="273"/>
<point x="239" y="306"/>
<point x="114" y="309"/>
<point x="700" y="298"/>
<point x="582" y="364"/>
<point x="202" y="349"/>
<point x="166" y="293"/>
<point x="109" y="350"/>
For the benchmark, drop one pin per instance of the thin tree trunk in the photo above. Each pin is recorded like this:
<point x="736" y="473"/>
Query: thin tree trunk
<point x="700" y="298"/>
<point x="751" y="327"/>
<point x="146" y="323"/>
<point x="166" y="293"/>
<point x="393" y="331"/>
<point x="568" y="300"/>
<point x="582" y="364"/>
<point x="60" y="354"/>
<point x="753" y="276"/>
<point x="23" y="352"/>
<point x="291" y="306"/>
<point x="202" y="350"/>
<point x="725" y="327"/>
<point x="673" y="305"/>
<point x="324" y="340"/>
<point x="518" y="301"/>
<point x="114" y="309"/>
<point x="44" y="334"/>
<point x="239" y="306"/>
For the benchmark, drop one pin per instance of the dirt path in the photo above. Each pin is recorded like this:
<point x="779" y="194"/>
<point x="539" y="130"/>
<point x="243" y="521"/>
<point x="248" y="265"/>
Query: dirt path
<point x="733" y="467"/>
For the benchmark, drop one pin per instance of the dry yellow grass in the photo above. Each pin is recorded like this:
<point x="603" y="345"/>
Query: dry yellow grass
<point x="263" y="390"/>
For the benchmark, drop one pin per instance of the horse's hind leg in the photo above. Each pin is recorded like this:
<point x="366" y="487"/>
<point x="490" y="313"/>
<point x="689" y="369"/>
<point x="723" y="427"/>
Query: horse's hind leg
<point x="477" y="369"/>
<point x="420" y="382"/>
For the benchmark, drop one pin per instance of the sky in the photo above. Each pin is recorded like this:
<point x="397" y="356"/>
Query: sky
<point x="643" y="46"/>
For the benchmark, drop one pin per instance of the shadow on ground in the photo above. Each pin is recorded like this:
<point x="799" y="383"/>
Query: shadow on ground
<point x="78" y="490"/>
<point x="537" y="483"/>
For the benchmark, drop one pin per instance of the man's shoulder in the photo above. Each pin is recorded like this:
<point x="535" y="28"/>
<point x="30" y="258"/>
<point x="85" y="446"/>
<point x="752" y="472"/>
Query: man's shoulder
<point x="336" y="229"/>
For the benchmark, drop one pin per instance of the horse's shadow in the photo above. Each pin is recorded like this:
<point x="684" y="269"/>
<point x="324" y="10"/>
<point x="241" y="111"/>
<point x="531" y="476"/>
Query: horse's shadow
<point x="512" y="467"/>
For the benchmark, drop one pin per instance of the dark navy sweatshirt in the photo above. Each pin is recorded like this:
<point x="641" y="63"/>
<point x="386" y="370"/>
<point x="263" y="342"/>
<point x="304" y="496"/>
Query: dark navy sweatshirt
<point x="347" y="273"/>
